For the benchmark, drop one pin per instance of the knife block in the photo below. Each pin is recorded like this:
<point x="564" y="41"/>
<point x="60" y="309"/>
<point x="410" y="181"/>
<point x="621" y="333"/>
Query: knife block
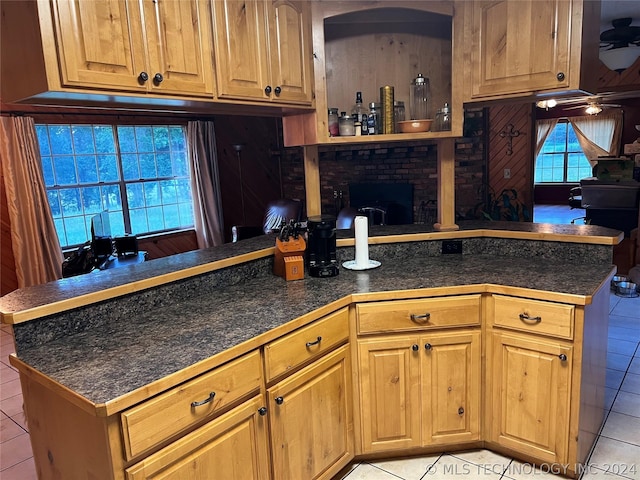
<point x="288" y="261"/>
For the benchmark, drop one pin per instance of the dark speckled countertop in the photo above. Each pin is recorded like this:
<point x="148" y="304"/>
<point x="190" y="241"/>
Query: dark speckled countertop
<point x="70" y="288"/>
<point x="120" y="356"/>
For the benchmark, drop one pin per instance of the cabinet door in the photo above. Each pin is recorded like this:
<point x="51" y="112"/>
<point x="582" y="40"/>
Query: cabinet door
<point x="242" y="51"/>
<point x="291" y="51"/>
<point x="232" y="446"/>
<point x="100" y="44"/>
<point x="451" y="387"/>
<point x="389" y="393"/>
<point x="179" y="46"/>
<point x="519" y="46"/>
<point x="530" y="390"/>
<point x="311" y="420"/>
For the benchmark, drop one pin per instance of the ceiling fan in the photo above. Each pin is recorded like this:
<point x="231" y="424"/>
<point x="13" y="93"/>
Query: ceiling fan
<point x="594" y="107"/>
<point x="620" y="46"/>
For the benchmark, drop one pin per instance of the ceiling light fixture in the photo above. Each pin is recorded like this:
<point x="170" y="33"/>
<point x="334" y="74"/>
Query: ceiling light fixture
<point x="546" y="104"/>
<point x="593" y="109"/>
<point x="619" y="46"/>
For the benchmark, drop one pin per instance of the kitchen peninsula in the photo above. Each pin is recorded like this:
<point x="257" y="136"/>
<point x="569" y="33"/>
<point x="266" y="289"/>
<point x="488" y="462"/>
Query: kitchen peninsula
<point x="206" y="361"/>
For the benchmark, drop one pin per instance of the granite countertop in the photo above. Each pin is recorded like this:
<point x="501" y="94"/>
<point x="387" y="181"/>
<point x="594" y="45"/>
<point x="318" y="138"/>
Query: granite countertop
<point x="106" y="363"/>
<point x="61" y="291"/>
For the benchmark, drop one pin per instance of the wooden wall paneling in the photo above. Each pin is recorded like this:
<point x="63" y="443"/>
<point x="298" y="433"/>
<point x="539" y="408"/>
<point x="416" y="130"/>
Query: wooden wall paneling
<point x="8" y="278"/>
<point x="251" y="177"/>
<point x="510" y="147"/>
<point x="168" y="244"/>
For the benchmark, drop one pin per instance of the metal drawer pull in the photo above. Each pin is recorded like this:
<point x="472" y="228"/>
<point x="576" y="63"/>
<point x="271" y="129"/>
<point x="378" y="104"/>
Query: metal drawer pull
<point x="420" y="318"/>
<point x="562" y="357"/>
<point x="526" y="318"/>
<point x="311" y="344"/>
<point x="205" y="401"/>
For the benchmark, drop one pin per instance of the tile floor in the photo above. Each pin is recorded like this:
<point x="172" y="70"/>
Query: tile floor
<point x="618" y="445"/>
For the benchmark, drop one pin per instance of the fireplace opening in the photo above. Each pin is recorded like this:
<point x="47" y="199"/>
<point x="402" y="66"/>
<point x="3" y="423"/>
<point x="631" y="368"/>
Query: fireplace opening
<point x="384" y="203"/>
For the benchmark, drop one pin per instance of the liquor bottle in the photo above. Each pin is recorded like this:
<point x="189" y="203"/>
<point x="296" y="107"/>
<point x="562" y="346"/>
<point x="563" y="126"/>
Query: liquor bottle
<point x="358" y="108"/>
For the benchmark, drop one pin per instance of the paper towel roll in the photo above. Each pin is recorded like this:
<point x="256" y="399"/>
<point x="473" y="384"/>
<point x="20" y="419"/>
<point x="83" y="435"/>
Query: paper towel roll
<point x="362" y="241"/>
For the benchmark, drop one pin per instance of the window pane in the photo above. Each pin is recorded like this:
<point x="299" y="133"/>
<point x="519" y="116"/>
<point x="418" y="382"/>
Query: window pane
<point x="111" y="197"/>
<point x="139" y="221"/>
<point x="127" y="139"/>
<point x="186" y="215"/>
<point x="147" y="165"/>
<point x="91" y="200"/>
<point x="108" y="166"/>
<point x="65" y="170"/>
<point x="169" y="194"/>
<point x="42" y="132"/>
<point x="77" y="230"/>
<point x="177" y="139"/>
<point x="54" y="203"/>
<point x="60" y="138"/>
<point x="180" y="165"/>
<point x="152" y="194"/>
<point x="116" y="222"/>
<point x="130" y="169"/>
<point x="105" y="141"/>
<point x="171" y="216"/>
<point x="161" y="139"/>
<point x="155" y="217"/>
<point x="83" y="139"/>
<point x="47" y="172"/>
<point x="135" y="195"/>
<point x="164" y="165"/>
<point x="144" y="139"/>
<point x="87" y="171"/>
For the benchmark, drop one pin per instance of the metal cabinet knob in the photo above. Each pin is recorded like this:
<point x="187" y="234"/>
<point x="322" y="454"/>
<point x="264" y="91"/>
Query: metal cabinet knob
<point x="262" y="411"/>
<point x="143" y="77"/>
<point x="560" y="76"/>
<point x="460" y="411"/>
<point x="267" y="90"/>
<point x="277" y="91"/>
<point x="562" y="357"/>
<point x="428" y="346"/>
<point x="415" y="347"/>
<point x="158" y="78"/>
<point x="279" y="400"/>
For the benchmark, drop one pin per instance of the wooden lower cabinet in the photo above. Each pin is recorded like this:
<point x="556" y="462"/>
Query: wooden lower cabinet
<point x="419" y="390"/>
<point x="310" y="415"/>
<point x="530" y="393"/>
<point x="232" y="446"/>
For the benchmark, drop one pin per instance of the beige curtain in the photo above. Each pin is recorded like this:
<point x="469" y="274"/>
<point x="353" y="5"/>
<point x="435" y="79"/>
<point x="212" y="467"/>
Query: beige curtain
<point x="36" y="248"/>
<point x="205" y="184"/>
<point x="544" y="127"/>
<point x="599" y="135"/>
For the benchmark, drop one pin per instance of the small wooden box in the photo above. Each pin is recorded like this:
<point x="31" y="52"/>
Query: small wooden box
<point x="288" y="261"/>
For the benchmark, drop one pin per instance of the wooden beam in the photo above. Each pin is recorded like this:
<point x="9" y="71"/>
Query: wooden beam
<point x="446" y="186"/>
<point x="312" y="180"/>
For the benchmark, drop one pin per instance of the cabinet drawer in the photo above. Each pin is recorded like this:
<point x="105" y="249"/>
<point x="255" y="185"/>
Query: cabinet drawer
<point x="534" y="316"/>
<point x="155" y="420"/>
<point x="306" y="343"/>
<point x="407" y="315"/>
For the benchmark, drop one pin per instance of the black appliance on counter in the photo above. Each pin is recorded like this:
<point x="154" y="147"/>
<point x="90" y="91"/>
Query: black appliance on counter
<point x="321" y="246"/>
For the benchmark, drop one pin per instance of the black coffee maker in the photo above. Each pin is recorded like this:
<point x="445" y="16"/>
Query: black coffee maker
<point x="321" y="246"/>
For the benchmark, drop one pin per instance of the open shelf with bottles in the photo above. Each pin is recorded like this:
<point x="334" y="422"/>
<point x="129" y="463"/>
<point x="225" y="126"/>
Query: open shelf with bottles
<point x="362" y="46"/>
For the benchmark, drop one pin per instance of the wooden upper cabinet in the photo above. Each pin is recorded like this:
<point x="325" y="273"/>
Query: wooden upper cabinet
<point x="524" y="47"/>
<point x="114" y="45"/>
<point x="179" y="47"/>
<point x="100" y="44"/>
<point x="263" y="50"/>
<point x="291" y="52"/>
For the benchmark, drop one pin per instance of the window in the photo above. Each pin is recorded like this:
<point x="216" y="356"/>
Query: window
<point x="138" y="173"/>
<point x="561" y="159"/>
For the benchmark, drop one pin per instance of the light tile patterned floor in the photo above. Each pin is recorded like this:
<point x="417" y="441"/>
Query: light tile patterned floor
<point x="618" y="446"/>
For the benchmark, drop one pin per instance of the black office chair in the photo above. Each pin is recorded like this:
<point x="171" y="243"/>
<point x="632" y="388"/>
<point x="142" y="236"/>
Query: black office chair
<point x="575" y="201"/>
<point x="276" y="212"/>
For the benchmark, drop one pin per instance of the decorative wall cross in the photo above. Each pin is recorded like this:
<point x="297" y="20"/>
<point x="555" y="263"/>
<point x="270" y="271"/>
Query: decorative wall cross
<point x="509" y="132"/>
